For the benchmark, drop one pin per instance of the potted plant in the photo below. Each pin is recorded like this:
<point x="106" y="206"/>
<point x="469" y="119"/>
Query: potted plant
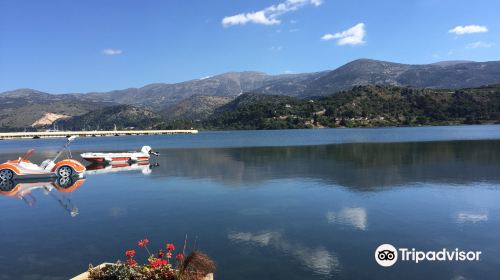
<point x="164" y="264"/>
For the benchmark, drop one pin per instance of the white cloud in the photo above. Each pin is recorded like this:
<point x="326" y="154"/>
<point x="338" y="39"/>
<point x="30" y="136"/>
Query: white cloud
<point x="468" y="29"/>
<point x="276" y="48"/>
<point x="327" y="37"/>
<point x="479" y="44"/>
<point x="269" y="15"/>
<point x="257" y="17"/>
<point x="112" y="51"/>
<point x="352" y="36"/>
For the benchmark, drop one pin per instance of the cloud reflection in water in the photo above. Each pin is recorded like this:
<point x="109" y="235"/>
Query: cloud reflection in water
<point x="318" y="259"/>
<point x="355" y="217"/>
<point x="471" y="217"/>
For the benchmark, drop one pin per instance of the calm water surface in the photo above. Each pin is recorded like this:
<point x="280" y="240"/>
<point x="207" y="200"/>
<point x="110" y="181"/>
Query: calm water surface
<point x="296" y="204"/>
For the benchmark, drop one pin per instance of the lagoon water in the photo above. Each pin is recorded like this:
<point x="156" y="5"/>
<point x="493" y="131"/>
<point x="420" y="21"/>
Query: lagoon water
<point x="292" y="204"/>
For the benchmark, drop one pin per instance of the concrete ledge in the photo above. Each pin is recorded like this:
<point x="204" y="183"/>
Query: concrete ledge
<point x="85" y="275"/>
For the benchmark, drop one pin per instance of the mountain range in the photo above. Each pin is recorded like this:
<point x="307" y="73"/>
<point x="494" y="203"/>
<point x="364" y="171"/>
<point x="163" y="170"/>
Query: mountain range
<point x="199" y="98"/>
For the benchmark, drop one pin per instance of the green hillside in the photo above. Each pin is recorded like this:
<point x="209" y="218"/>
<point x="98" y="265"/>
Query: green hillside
<point x="363" y="106"/>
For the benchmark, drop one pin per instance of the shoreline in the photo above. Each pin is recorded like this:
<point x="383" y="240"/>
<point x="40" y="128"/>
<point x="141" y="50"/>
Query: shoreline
<point x="103" y="133"/>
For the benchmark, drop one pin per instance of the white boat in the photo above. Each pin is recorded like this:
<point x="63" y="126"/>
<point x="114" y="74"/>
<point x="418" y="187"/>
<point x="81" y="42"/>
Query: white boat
<point x="123" y="157"/>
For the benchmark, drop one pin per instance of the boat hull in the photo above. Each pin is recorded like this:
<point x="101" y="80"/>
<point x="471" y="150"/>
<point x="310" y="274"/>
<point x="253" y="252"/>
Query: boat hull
<point x="114" y="159"/>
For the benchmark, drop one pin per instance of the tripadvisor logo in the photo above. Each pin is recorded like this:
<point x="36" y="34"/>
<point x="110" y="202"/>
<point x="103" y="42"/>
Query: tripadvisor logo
<point x="387" y="255"/>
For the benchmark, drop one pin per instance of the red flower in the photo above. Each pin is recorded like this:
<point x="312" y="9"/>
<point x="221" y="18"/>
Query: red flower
<point x="131" y="262"/>
<point x="130" y="253"/>
<point x="179" y="257"/>
<point x="157" y="263"/>
<point x="170" y="247"/>
<point x="161" y="254"/>
<point x="143" y="242"/>
<point x="169" y="255"/>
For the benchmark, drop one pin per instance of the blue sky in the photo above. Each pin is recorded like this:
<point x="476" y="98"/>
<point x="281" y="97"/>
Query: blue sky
<point x="63" y="46"/>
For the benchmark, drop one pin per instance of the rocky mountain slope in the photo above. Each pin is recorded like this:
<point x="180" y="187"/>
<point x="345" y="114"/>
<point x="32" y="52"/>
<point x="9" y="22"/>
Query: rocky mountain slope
<point x="121" y="116"/>
<point x="195" y="107"/>
<point x="159" y="96"/>
<point x="448" y="74"/>
<point x="27" y="108"/>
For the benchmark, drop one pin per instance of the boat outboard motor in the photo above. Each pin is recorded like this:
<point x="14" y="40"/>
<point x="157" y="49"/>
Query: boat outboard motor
<point x="148" y="150"/>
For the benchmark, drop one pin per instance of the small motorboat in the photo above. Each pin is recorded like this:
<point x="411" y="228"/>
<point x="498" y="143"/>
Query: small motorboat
<point x="124" y="157"/>
<point x="23" y="168"/>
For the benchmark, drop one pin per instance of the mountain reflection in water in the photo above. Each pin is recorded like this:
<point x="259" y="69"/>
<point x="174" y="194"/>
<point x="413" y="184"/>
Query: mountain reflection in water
<point x="362" y="167"/>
